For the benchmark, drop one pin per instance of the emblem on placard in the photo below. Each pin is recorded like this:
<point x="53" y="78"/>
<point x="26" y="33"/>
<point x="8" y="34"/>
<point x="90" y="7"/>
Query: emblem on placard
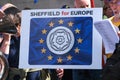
<point x="60" y="40"/>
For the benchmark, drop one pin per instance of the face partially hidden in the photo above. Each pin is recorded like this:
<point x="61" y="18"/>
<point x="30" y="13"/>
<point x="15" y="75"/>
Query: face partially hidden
<point x="115" y="6"/>
<point x="18" y="31"/>
<point x="82" y="4"/>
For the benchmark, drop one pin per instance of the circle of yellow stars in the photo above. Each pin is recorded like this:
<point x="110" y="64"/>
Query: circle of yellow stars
<point x="68" y="57"/>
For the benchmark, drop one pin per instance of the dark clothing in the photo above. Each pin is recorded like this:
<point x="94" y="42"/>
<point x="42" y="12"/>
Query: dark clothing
<point x="87" y="74"/>
<point x="6" y="55"/>
<point x="14" y="52"/>
<point x="33" y="75"/>
<point x="13" y="59"/>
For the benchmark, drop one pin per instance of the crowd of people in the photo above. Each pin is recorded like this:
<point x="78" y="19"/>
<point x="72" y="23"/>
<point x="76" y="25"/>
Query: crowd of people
<point x="10" y="45"/>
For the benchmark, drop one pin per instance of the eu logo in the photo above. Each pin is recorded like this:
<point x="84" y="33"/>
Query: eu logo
<point x="61" y="41"/>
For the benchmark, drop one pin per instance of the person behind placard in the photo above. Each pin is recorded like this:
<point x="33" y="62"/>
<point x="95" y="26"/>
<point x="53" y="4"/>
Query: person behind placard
<point x="4" y="47"/>
<point x="107" y="11"/>
<point x="115" y="19"/>
<point x="111" y="69"/>
<point x="115" y="6"/>
<point x="13" y="45"/>
<point x="85" y="74"/>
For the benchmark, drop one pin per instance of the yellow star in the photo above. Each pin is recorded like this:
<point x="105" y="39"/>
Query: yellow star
<point x="70" y="24"/>
<point x="44" y="31"/>
<point x="79" y="40"/>
<point x="77" y="31"/>
<point x="51" y="24"/>
<point x="50" y="57"/>
<point x="77" y="50"/>
<point x="41" y="41"/>
<point x="60" y="21"/>
<point x="43" y="50"/>
<point x="59" y="60"/>
<point x="69" y="57"/>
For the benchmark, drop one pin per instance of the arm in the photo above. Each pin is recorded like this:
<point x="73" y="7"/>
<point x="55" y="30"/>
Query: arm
<point x="1" y="14"/>
<point x="5" y="44"/>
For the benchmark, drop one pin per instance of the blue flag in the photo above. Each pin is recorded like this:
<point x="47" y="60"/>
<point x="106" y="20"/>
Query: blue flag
<point x="35" y="1"/>
<point x="61" y="41"/>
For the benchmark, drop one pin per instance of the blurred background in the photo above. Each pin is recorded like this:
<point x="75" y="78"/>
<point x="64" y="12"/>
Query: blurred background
<point x="45" y="4"/>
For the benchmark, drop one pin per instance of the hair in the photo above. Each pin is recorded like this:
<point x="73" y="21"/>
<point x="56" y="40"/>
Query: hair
<point x="14" y="14"/>
<point x="11" y="10"/>
<point x="27" y="8"/>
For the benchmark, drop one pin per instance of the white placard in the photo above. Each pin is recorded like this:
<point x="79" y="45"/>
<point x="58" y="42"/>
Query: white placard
<point x="76" y="46"/>
<point x="108" y="33"/>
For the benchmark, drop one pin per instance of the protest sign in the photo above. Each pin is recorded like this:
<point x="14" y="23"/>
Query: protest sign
<point x="60" y="38"/>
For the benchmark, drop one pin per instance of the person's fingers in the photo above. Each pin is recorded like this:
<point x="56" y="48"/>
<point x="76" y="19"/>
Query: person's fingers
<point x="119" y="33"/>
<point x="60" y="73"/>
